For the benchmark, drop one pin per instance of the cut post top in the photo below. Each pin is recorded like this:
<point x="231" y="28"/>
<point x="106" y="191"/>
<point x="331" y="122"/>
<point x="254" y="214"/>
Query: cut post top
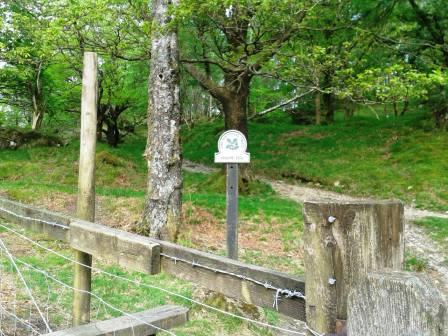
<point x="364" y="202"/>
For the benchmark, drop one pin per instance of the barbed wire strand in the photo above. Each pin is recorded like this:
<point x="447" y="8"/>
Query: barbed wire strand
<point x="48" y="275"/>
<point x="138" y="283"/>
<point x="278" y="291"/>
<point x="66" y="227"/>
<point x="22" y="279"/>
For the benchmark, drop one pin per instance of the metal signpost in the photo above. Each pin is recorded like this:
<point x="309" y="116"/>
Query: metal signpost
<point x="232" y="146"/>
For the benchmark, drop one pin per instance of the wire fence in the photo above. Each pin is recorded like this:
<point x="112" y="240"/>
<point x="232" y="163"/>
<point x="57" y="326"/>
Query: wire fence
<point x="36" y="319"/>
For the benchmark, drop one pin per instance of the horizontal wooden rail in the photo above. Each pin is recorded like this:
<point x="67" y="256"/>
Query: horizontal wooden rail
<point x="138" y="324"/>
<point x="253" y="284"/>
<point x="236" y="287"/>
<point x="132" y="251"/>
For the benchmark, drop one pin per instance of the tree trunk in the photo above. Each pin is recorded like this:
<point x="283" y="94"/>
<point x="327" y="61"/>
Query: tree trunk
<point x="38" y="112"/>
<point x="162" y="213"/>
<point x="235" y="116"/>
<point x="36" y="97"/>
<point x="405" y="107"/>
<point x="348" y="109"/>
<point x="318" y="109"/>
<point x="235" y="102"/>
<point x="441" y="117"/>
<point x="395" y="106"/>
<point x="329" y="106"/>
<point x="38" y="117"/>
<point x="112" y="133"/>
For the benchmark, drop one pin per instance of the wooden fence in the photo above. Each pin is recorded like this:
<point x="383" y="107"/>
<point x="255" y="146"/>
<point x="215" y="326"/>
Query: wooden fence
<point x="253" y="284"/>
<point x="347" y="244"/>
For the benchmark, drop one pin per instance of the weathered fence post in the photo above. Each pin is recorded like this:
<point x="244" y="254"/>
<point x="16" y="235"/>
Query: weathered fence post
<point x="85" y="207"/>
<point x="397" y="303"/>
<point x="342" y="242"/>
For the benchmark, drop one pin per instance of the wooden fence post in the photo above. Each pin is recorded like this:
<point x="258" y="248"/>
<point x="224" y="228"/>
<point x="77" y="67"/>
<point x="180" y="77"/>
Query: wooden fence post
<point x="85" y="207"/>
<point x="397" y="303"/>
<point x="342" y="242"/>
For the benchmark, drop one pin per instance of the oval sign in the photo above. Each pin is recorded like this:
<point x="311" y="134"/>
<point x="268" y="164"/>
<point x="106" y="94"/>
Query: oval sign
<point x="232" y="146"/>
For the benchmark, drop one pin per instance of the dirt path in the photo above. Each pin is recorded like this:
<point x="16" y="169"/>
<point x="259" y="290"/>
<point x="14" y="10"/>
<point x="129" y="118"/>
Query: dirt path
<point x="416" y="239"/>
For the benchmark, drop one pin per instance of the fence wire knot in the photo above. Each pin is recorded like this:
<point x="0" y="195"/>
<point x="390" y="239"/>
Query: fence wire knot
<point x="288" y="295"/>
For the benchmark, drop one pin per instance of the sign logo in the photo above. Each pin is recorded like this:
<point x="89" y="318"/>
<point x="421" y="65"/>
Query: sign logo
<point x="232" y="146"/>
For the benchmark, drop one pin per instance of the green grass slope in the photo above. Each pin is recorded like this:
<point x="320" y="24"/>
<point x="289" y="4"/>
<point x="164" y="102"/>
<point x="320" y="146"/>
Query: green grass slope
<point x="383" y="157"/>
<point x="47" y="177"/>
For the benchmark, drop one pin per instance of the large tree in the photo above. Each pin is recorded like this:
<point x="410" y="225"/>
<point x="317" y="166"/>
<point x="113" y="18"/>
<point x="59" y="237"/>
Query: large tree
<point x="428" y="50"/>
<point x="236" y="39"/>
<point x="162" y="213"/>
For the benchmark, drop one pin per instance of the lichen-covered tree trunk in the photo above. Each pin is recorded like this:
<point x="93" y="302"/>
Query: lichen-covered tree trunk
<point x="162" y="214"/>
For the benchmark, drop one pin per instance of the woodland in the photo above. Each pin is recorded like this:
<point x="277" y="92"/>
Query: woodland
<point x="302" y="80"/>
<point x="339" y="99"/>
<point x="238" y="60"/>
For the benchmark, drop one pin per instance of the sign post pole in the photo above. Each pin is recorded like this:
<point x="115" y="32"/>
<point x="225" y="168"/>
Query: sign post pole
<point x="232" y="210"/>
<point x="232" y="147"/>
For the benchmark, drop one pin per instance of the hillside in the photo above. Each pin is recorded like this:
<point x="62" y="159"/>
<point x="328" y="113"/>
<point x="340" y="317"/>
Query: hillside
<point x="385" y="157"/>
<point x="388" y="157"/>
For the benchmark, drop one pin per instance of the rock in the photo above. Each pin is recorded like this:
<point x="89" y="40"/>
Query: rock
<point x="17" y="138"/>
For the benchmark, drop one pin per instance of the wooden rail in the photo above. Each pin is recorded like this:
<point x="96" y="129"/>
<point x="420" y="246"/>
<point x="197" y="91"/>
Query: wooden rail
<point x="137" y="324"/>
<point x="252" y="284"/>
<point x="126" y="249"/>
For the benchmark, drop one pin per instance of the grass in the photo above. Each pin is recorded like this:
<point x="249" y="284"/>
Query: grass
<point x="119" y="293"/>
<point x="437" y="229"/>
<point x="415" y="264"/>
<point x="41" y="175"/>
<point x="388" y="157"/>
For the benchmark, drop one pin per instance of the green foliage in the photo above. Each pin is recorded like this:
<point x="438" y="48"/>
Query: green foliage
<point x="396" y="83"/>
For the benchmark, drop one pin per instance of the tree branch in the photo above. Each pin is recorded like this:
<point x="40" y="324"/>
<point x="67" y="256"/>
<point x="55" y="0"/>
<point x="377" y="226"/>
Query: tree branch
<point x="289" y="101"/>
<point x="216" y="91"/>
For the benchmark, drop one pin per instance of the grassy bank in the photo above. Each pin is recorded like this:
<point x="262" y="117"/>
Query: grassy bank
<point x="270" y="226"/>
<point x="386" y="157"/>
